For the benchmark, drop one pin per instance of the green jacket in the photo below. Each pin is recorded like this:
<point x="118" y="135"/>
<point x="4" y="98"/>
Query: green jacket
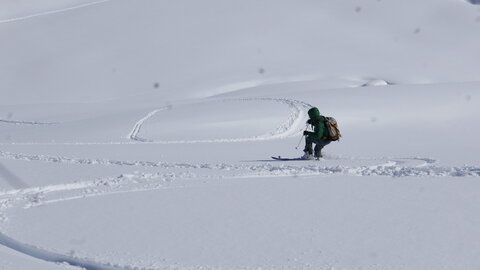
<point x="318" y="121"/>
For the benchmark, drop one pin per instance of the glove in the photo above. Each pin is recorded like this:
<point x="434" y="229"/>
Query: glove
<point x="305" y="133"/>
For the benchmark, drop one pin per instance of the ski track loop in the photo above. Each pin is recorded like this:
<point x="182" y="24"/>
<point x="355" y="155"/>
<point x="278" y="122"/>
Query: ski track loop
<point x="291" y="127"/>
<point x="50" y="12"/>
<point x="287" y="129"/>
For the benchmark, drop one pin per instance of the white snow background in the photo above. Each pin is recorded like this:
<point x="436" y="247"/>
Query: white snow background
<point x="138" y="134"/>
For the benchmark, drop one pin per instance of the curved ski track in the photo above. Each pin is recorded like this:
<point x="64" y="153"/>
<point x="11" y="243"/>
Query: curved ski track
<point x="287" y="129"/>
<point x="291" y="127"/>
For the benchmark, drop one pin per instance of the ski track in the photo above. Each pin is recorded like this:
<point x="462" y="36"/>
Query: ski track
<point x="133" y="135"/>
<point x="290" y="128"/>
<point x="50" y="12"/>
<point x="54" y="257"/>
<point x="15" y="122"/>
<point x="389" y="167"/>
<point x="394" y="167"/>
<point x="33" y="197"/>
<point x="287" y="129"/>
<point x="86" y="263"/>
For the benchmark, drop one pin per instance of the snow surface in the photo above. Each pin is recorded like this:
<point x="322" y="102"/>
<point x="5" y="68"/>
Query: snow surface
<point x="138" y="134"/>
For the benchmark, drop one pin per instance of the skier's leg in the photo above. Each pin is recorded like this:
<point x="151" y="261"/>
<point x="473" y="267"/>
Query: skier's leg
<point x="319" y="144"/>
<point x="308" y="145"/>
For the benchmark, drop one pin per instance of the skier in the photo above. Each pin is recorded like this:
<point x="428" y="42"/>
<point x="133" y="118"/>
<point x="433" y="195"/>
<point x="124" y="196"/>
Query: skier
<point x="319" y="136"/>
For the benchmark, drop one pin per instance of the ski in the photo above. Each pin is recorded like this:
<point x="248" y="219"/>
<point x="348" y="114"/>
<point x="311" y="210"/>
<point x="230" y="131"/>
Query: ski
<point x="287" y="159"/>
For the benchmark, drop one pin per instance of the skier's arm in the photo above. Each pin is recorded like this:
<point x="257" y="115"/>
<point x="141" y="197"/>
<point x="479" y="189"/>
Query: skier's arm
<point x="317" y="130"/>
<point x="306" y="132"/>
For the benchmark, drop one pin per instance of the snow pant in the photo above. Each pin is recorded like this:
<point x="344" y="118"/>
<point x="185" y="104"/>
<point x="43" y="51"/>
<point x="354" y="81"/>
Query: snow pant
<point x="319" y="144"/>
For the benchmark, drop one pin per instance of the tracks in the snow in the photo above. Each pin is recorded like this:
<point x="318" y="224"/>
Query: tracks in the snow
<point x="287" y="129"/>
<point x="171" y="175"/>
<point x="394" y="167"/>
<point x="53" y="257"/>
<point x="169" y="172"/>
<point x="290" y="127"/>
<point x="34" y="123"/>
<point x="184" y="175"/>
<point x="24" y="197"/>
<point x="133" y="135"/>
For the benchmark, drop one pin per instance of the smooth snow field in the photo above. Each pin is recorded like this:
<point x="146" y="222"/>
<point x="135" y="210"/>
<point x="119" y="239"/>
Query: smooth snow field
<point x="138" y="135"/>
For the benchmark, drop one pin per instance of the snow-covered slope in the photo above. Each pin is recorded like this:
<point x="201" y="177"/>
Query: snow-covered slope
<point x="123" y="48"/>
<point x="138" y="134"/>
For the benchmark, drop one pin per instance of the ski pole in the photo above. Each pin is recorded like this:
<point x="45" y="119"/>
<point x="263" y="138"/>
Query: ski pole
<point x="301" y="139"/>
<point x="298" y="145"/>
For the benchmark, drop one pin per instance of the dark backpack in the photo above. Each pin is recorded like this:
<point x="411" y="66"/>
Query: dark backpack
<point x="332" y="127"/>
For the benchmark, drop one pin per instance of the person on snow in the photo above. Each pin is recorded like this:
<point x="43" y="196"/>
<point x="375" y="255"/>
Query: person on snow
<point x="319" y="136"/>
